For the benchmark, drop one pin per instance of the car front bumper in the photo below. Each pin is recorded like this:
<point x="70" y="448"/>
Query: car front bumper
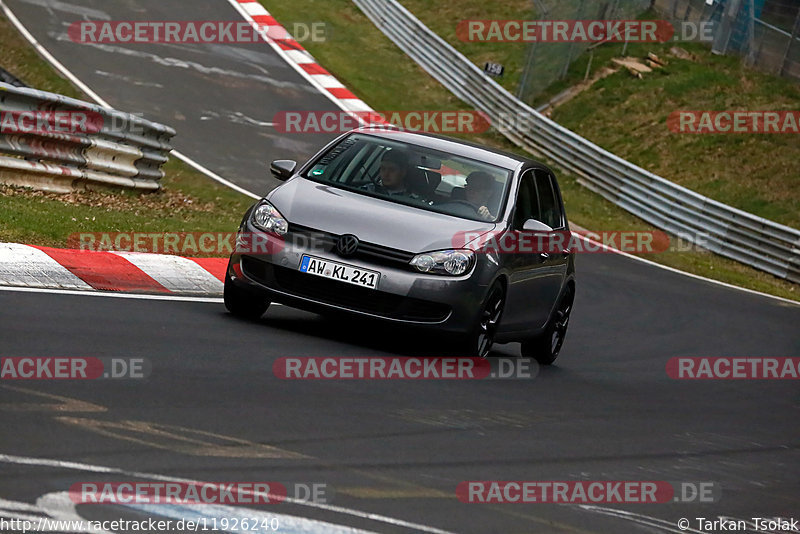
<point x="449" y="304"/>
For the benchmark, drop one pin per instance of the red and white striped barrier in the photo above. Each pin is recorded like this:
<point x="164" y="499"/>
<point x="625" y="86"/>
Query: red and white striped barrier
<point x="297" y="56"/>
<point x="43" y="267"/>
<point x="53" y="268"/>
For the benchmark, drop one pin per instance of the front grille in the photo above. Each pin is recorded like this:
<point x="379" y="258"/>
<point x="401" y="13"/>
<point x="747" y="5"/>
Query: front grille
<point x="345" y="295"/>
<point x="368" y="252"/>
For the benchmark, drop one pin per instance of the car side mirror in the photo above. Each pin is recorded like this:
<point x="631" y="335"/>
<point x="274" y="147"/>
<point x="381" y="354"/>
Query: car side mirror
<point x="532" y="225"/>
<point x="282" y="169"/>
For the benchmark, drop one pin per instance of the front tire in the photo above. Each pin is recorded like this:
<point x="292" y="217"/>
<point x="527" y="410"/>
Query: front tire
<point x="481" y="338"/>
<point x="546" y="347"/>
<point x="242" y="303"/>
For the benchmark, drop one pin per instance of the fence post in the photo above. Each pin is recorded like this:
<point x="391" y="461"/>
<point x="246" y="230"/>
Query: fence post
<point x="723" y="37"/>
<point x="751" y="33"/>
<point x="795" y="30"/>
<point x="568" y="62"/>
<point x="526" y="71"/>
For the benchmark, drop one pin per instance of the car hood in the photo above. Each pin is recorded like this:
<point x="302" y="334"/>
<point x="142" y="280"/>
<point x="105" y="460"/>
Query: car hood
<point x="329" y="209"/>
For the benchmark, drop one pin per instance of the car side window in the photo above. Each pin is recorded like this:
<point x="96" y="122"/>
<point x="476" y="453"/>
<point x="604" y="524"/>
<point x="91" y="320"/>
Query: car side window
<point x="549" y="206"/>
<point x="527" y="206"/>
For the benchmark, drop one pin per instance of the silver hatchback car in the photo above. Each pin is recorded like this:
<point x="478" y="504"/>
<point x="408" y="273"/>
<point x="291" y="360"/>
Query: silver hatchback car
<point x="416" y="229"/>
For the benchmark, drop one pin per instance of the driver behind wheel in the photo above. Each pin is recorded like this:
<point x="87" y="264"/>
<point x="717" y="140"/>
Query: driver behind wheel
<point x="478" y="190"/>
<point x="393" y="174"/>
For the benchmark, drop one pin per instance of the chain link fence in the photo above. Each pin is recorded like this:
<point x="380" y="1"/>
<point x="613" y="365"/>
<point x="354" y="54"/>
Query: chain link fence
<point x="766" y="33"/>
<point x="549" y="62"/>
<point x="723" y="229"/>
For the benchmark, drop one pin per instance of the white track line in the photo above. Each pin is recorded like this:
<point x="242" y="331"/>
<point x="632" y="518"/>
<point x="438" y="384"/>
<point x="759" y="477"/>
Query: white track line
<point x="97" y="98"/>
<point x="44" y="462"/>
<point x="211" y="174"/>
<point x="118" y="295"/>
<point x="690" y="275"/>
<point x="60" y="505"/>
<point x="85" y="88"/>
<point x="641" y="519"/>
<point x="113" y="294"/>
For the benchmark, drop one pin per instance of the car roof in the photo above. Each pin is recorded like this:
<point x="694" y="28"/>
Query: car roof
<point x="452" y="146"/>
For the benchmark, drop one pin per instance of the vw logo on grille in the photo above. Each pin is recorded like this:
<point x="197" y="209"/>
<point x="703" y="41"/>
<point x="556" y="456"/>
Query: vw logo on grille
<point x="347" y="245"/>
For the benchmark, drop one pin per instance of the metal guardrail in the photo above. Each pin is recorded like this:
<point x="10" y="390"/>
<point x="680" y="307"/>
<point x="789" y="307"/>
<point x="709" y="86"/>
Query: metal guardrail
<point x="730" y="232"/>
<point x="107" y="148"/>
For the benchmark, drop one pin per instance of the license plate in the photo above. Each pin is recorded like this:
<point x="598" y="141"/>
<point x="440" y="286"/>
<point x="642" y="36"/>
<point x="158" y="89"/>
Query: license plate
<point x="340" y="271"/>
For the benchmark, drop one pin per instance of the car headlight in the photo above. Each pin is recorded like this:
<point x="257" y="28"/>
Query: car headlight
<point x="266" y="217"/>
<point x="447" y="262"/>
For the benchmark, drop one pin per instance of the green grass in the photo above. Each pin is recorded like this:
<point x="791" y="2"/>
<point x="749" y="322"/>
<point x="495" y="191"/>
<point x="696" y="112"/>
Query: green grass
<point x="380" y="73"/>
<point x="757" y="173"/>
<point x="360" y="56"/>
<point x="627" y="116"/>
<point x="189" y="201"/>
<point x="444" y="18"/>
<point x="19" y="58"/>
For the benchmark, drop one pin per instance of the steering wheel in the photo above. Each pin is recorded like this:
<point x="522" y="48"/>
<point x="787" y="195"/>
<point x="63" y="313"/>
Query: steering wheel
<point x="365" y="173"/>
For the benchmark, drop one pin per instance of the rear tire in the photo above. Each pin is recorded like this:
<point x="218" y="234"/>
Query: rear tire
<point x="546" y="347"/>
<point x="243" y="303"/>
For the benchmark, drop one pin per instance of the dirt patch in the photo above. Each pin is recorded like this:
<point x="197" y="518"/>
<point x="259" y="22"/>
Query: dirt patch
<point x="167" y="201"/>
<point x="567" y="95"/>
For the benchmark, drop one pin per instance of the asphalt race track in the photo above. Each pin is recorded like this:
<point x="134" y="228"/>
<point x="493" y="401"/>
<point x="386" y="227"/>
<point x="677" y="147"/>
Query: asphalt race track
<point x="221" y="98"/>
<point x="391" y="453"/>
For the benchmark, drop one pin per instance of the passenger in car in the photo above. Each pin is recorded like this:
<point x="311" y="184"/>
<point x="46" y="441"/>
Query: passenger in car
<point x="478" y="191"/>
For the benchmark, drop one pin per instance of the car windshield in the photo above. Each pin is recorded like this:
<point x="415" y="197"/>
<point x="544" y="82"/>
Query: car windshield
<point x="414" y="175"/>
